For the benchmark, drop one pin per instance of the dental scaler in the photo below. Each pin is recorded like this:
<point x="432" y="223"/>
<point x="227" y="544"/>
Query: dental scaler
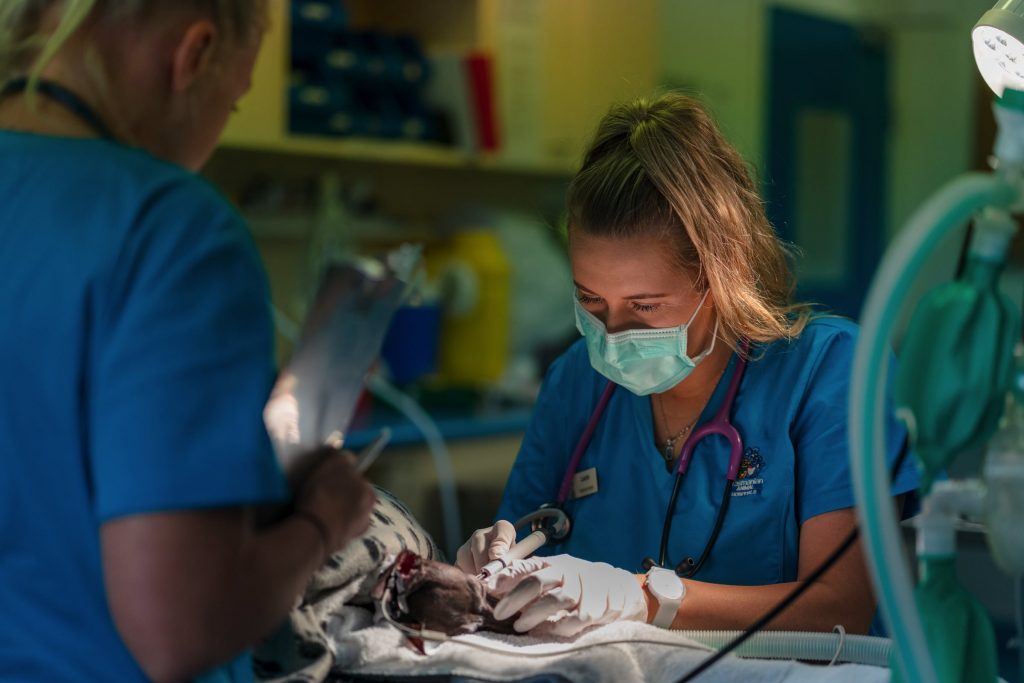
<point x="549" y="525"/>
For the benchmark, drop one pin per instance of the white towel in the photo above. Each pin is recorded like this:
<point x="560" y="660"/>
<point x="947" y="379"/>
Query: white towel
<point x="364" y="646"/>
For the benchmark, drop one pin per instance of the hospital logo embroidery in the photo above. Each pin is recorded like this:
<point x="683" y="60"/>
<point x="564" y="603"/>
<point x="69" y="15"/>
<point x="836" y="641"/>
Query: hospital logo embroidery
<point x="748" y="480"/>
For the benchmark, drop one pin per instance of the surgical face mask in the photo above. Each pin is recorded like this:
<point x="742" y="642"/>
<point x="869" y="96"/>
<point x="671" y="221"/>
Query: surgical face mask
<point x="645" y="361"/>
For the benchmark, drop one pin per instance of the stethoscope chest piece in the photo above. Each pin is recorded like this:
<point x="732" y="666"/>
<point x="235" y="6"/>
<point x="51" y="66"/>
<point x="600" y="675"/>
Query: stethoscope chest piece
<point x="685" y="569"/>
<point x="552" y="517"/>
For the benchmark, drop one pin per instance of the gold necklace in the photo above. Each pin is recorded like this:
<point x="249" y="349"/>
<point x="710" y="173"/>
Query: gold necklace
<point x="669" y="449"/>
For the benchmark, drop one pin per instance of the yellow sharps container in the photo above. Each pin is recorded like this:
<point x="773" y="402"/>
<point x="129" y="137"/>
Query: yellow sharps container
<point x="475" y="332"/>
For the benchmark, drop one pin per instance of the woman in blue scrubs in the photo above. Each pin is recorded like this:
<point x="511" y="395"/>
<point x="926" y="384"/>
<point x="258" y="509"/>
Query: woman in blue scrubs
<point x="137" y="356"/>
<point x="668" y="233"/>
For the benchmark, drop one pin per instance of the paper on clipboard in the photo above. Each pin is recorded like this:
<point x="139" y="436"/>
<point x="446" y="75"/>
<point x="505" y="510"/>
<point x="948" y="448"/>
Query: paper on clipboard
<point x="315" y="396"/>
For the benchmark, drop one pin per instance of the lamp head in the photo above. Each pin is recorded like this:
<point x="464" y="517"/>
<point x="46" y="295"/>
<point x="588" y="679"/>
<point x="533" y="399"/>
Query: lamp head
<point x="998" y="39"/>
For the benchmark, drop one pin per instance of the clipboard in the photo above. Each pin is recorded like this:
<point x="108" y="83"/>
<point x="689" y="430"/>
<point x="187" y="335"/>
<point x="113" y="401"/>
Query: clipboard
<point x="315" y="396"/>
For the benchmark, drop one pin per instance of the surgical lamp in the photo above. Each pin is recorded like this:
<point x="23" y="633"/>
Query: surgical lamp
<point x="998" y="46"/>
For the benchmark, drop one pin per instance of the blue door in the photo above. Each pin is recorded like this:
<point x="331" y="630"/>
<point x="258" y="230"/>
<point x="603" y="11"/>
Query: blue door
<point x="825" y="155"/>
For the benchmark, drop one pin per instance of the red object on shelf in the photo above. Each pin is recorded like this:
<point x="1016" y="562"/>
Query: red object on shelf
<point x="363" y="414"/>
<point x="480" y="69"/>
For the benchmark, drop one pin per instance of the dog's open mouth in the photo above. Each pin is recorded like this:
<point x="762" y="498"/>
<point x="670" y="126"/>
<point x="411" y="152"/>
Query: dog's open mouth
<point x="439" y="597"/>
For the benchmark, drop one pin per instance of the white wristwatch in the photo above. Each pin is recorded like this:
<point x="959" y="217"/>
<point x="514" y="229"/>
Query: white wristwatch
<point x="669" y="590"/>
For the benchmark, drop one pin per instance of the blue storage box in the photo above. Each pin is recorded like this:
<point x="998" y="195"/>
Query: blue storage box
<point x="410" y="345"/>
<point x="415" y="67"/>
<point x="330" y="15"/>
<point x="348" y="60"/>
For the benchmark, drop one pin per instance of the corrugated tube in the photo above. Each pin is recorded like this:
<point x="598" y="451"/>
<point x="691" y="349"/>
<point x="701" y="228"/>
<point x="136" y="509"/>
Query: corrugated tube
<point x="823" y="647"/>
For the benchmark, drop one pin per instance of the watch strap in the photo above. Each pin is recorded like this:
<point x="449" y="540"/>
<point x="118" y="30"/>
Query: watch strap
<point x="666" y="613"/>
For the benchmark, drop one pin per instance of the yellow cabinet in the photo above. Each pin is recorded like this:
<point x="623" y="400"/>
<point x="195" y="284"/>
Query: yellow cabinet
<point x="261" y="117"/>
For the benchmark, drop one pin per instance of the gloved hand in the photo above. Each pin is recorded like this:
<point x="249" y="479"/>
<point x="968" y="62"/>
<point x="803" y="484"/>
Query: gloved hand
<point x="485" y="545"/>
<point x="562" y="595"/>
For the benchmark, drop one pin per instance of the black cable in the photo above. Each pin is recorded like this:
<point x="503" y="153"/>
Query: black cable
<point x="798" y="591"/>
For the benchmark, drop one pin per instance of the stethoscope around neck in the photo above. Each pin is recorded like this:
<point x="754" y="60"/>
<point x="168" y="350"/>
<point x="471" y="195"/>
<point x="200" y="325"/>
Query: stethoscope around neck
<point x="719" y="424"/>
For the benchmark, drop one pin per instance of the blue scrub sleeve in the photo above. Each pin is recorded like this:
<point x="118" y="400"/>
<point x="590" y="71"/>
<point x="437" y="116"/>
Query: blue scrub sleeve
<point x="820" y="434"/>
<point x="546" y="448"/>
<point x="183" y="364"/>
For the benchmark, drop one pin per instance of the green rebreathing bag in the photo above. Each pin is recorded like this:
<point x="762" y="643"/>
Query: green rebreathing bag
<point x="956" y="365"/>
<point x="959" y="633"/>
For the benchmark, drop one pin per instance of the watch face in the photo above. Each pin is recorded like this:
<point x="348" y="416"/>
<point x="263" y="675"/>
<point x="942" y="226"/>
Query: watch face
<point x="665" y="584"/>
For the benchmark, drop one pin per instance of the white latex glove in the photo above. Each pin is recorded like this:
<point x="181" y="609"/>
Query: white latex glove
<point x="485" y="545"/>
<point x="502" y="582"/>
<point x="562" y="595"/>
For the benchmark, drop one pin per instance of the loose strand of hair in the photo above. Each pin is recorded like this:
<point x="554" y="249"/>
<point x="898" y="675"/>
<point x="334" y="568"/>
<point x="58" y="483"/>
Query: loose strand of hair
<point x="74" y="15"/>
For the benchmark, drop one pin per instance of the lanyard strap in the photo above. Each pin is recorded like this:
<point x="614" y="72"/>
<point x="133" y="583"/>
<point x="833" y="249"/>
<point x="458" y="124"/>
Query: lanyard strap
<point x="581" y="446"/>
<point x="65" y="98"/>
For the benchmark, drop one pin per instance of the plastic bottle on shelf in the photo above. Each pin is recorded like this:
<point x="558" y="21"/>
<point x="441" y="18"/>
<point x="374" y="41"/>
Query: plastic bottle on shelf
<point x="475" y="278"/>
<point x="410" y="346"/>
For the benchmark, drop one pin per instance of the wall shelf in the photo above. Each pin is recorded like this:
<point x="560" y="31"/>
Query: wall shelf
<point x="547" y="104"/>
<point x="365" y="150"/>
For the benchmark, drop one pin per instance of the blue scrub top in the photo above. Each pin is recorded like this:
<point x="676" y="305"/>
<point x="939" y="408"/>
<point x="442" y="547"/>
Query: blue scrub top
<point x="136" y="357"/>
<point x="791" y="412"/>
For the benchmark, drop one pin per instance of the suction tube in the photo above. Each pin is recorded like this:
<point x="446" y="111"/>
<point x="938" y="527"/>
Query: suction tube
<point x="948" y="209"/>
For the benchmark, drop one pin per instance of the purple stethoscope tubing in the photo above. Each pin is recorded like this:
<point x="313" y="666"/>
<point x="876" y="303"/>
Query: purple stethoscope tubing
<point x="581" y="445"/>
<point x="719" y="424"/>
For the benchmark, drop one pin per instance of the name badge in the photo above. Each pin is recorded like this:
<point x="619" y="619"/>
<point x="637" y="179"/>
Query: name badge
<point x="584" y="483"/>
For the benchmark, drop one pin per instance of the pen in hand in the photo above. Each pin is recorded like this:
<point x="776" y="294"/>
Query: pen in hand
<point x="368" y="455"/>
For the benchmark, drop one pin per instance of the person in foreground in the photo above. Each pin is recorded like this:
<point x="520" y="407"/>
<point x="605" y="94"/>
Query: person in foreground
<point x="684" y="302"/>
<point x="137" y="356"/>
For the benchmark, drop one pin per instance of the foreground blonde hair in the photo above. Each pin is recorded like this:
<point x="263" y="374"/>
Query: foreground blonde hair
<point x="27" y="46"/>
<point x="660" y="168"/>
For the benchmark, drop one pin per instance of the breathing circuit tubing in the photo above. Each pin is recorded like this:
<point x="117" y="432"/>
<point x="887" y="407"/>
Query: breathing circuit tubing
<point x="823" y="647"/>
<point x="949" y="209"/>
